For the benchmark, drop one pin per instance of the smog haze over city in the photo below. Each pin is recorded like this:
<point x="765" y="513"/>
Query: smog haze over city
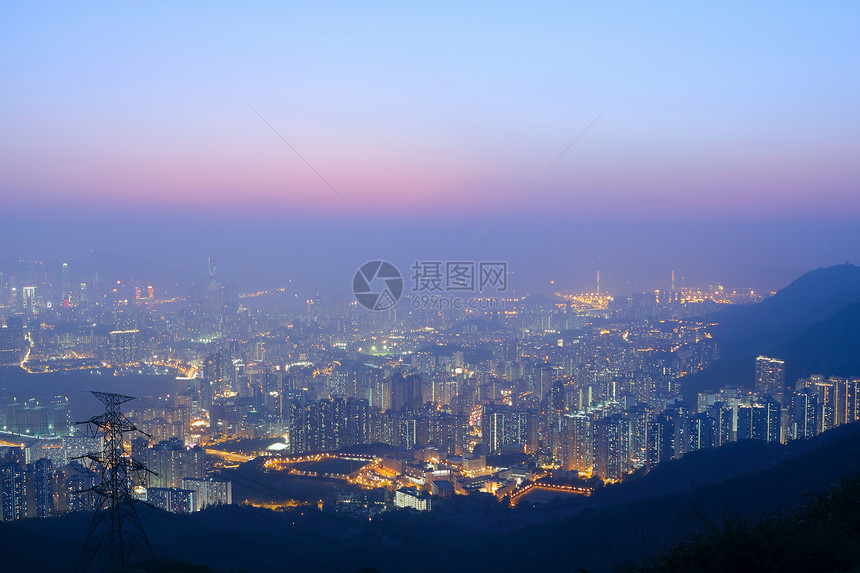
<point x="388" y="281"/>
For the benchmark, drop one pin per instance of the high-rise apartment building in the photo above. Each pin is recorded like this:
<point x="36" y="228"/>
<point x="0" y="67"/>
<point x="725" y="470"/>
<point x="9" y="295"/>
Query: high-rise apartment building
<point x="770" y="377"/>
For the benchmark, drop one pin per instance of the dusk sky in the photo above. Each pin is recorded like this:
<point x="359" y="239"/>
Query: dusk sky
<point x="726" y="142"/>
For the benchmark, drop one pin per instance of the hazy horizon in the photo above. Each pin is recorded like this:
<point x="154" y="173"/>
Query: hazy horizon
<point x="323" y="255"/>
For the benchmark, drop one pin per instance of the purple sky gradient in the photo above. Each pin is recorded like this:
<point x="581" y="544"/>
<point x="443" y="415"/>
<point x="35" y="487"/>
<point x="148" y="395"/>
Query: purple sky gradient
<point x="734" y="126"/>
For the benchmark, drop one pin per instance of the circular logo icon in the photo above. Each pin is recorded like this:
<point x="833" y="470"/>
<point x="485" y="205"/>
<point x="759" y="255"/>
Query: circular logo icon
<point x="377" y="285"/>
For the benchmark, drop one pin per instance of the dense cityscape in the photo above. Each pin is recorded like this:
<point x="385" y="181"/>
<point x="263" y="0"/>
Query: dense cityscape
<point x="557" y="394"/>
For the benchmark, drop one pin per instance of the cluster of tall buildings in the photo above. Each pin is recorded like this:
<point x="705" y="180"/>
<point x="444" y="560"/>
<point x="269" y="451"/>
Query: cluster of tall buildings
<point x="26" y="490"/>
<point x="608" y="438"/>
<point x="177" y="480"/>
<point x="48" y="477"/>
<point x="334" y="423"/>
<point x="506" y="426"/>
<point x="193" y="494"/>
<point x="31" y="418"/>
<point x="49" y="473"/>
<point x="821" y="404"/>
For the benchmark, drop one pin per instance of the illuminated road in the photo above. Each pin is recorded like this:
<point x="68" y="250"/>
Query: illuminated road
<point x="229" y="456"/>
<point x="515" y="497"/>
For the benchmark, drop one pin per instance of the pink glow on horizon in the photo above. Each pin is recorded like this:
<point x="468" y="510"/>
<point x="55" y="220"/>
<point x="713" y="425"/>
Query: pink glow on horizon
<point x="248" y="176"/>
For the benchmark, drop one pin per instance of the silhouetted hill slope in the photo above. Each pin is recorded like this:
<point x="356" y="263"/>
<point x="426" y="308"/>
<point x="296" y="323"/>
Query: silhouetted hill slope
<point x="706" y="467"/>
<point x="623" y="522"/>
<point x="799" y="324"/>
<point x="822" y="534"/>
<point x="830" y="347"/>
<point x="809" y="299"/>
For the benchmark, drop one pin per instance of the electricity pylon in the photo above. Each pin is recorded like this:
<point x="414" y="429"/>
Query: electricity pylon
<point x="116" y="538"/>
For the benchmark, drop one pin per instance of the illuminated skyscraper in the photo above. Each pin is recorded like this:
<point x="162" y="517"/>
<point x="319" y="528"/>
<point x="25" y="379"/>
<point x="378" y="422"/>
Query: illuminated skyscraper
<point x="805" y="407"/>
<point x="42" y="480"/>
<point x="405" y="392"/>
<point x="612" y="459"/>
<point x="209" y="491"/>
<point x="827" y="406"/>
<point x="503" y="425"/>
<point x="722" y="417"/>
<point x="702" y="434"/>
<point x="850" y="392"/>
<point x="580" y="449"/>
<point x="759" y="421"/>
<point x="172" y="461"/>
<point x="449" y="432"/>
<point x="65" y="286"/>
<point x="213" y="273"/>
<point x="770" y="377"/>
<point x="172" y="499"/>
<point x="328" y="424"/>
<point x="11" y="491"/>
<point x="660" y="441"/>
<point x="30" y="300"/>
<point x="124" y="346"/>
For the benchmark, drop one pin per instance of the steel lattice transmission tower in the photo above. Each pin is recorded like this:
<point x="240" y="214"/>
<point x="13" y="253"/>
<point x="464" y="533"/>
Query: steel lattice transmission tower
<point x="116" y="538"/>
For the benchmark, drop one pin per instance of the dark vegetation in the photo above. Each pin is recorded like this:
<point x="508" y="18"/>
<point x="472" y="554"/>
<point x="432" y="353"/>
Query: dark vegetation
<point x="820" y="534"/>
